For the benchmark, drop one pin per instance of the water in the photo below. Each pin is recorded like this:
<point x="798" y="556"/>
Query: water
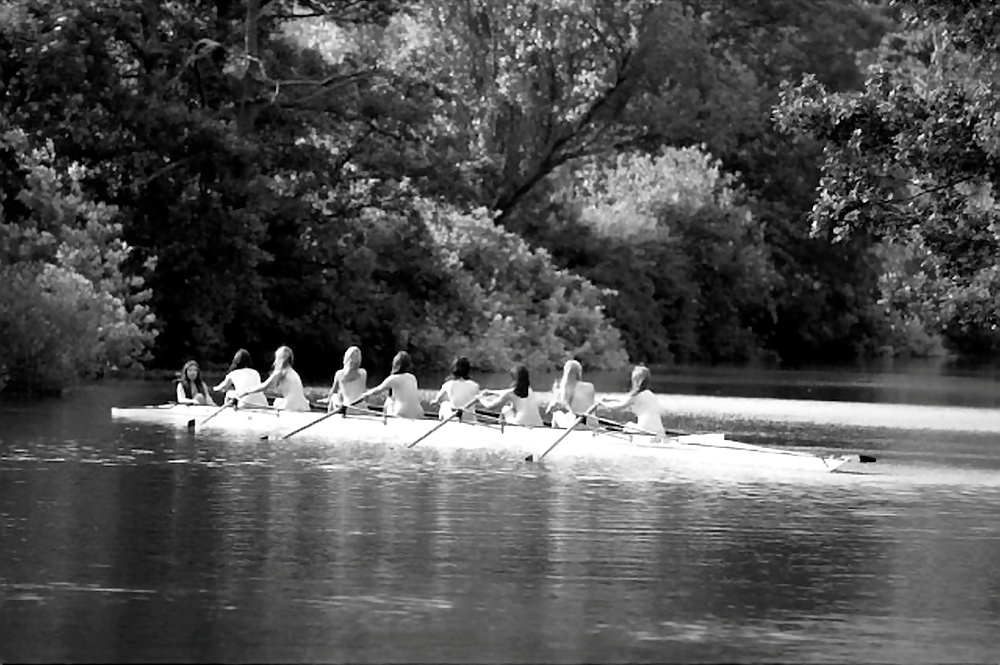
<point x="145" y="544"/>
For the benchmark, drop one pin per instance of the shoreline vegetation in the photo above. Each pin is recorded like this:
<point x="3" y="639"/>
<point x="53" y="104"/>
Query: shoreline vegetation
<point x="659" y="182"/>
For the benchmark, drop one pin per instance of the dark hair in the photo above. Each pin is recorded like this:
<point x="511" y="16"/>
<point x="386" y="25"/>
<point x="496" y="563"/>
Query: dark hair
<point x="241" y="361"/>
<point x="521" y="383"/>
<point x="188" y="365"/>
<point x="402" y="363"/>
<point x="197" y="385"/>
<point x="460" y="368"/>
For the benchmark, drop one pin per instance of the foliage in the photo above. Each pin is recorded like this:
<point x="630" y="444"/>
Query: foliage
<point x="678" y="221"/>
<point x="67" y="311"/>
<point x="511" y="304"/>
<point x="328" y="172"/>
<point x="916" y="152"/>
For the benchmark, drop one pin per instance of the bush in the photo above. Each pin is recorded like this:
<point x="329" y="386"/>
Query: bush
<point x="66" y="311"/>
<point x="973" y="326"/>
<point x="667" y="232"/>
<point x="511" y="303"/>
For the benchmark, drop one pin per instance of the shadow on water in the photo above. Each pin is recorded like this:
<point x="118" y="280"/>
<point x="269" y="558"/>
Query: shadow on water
<point x="126" y="543"/>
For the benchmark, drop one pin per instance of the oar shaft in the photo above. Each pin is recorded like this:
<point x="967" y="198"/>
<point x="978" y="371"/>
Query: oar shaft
<point x="340" y="411"/>
<point x="217" y="412"/>
<point x="579" y="419"/>
<point x="457" y="413"/>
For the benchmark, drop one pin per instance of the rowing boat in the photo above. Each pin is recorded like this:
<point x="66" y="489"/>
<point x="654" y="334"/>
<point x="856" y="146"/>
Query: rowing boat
<point x="698" y="449"/>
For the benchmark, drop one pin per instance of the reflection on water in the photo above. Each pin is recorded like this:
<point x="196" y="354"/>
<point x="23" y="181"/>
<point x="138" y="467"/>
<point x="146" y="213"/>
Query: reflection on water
<point x="129" y="543"/>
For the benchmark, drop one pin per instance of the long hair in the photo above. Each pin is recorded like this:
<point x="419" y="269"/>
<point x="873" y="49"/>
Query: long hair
<point x="460" y="368"/>
<point x="241" y="361"/>
<point x="192" y="387"/>
<point x="566" y="386"/>
<point x="352" y="362"/>
<point x="521" y="381"/>
<point x="640" y="380"/>
<point x="283" y="358"/>
<point x="402" y="363"/>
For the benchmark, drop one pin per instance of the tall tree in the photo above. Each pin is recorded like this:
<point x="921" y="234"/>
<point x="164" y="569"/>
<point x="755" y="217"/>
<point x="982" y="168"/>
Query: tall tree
<point x="918" y="150"/>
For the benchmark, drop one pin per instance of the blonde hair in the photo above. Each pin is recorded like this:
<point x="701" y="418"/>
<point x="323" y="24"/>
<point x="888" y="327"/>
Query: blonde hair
<point x="640" y="379"/>
<point x="283" y="358"/>
<point x="572" y="373"/>
<point x="352" y="361"/>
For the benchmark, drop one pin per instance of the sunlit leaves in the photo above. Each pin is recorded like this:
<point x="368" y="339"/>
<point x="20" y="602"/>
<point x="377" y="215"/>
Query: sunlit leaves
<point x="517" y="306"/>
<point x="67" y="310"/>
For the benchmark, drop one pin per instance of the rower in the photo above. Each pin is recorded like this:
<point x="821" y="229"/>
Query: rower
<point x="571" y="396"/>
<point x="520" y="406"/>
<point x="191" y="388"/>
<point x="458" y="391"/>
<point x="404" y="395"/>
<point x="349" y="382"/>
<point x="242" y="376"/>
<point x="642" y="402"/>
<point x="285" y="380"/>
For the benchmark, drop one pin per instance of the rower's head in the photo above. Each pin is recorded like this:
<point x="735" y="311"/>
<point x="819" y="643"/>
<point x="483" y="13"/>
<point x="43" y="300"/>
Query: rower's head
<point x="460" y="368"/>
<point x="241" y="361"/>
<point x="352" y="358"/>
<point x="522" y="382"/>
<point x="191" y="372"/>
<point x="283" y="358"/>
<point x="402" y="363"/>
<point x="640" y="379"/>
<point x="572" y="371"/>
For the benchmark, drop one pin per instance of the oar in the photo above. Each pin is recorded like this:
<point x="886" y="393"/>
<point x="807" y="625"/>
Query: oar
<point x="635" y="430"/>
<point x="863" y="459"/>
<point x="222" y="408"/>
<point x="341" y="411"/>
<point x="579" y="419"/>
<point x="457" y="413"/>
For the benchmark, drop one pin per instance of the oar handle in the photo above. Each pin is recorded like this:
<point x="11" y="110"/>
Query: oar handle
<point x="628" y="428"/>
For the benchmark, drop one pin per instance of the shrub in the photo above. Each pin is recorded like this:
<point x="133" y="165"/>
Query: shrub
<point x="670" y="234"/>
<point x="66" y="311"/>
<point x="512" y="304"/>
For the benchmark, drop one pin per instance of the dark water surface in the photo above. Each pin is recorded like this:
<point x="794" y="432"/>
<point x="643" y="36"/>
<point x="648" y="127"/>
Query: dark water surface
<point x="145" y="544"/>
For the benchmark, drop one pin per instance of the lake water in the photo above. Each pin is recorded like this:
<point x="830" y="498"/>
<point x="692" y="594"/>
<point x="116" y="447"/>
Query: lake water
<point x="141" y="543"/>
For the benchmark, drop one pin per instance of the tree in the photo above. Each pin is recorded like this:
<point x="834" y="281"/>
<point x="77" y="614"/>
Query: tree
<point x="917" y="150"/>
<point x="67" y="312"/>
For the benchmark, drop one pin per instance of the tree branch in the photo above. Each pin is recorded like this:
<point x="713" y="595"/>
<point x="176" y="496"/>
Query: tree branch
<point x="558" y="152"/>
<point x="322" y="83"/>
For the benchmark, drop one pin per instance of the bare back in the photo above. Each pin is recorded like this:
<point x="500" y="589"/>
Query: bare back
<point x="405" y="400"/>
<point x="349" y="390"/>
<point x="293" y="395"/>
<point x="648" y="414"/>
<point x="524" y="410"/>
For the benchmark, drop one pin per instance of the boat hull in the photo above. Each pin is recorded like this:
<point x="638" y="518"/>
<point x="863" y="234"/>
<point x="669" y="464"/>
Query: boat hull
<point x="692" y="449"/>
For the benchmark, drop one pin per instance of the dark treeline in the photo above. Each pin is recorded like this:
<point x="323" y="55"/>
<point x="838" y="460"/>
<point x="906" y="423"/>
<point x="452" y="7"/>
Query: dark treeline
<point x="690" y="181"/>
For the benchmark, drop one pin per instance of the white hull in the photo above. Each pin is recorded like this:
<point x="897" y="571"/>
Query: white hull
<point x="693" y="449"/>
